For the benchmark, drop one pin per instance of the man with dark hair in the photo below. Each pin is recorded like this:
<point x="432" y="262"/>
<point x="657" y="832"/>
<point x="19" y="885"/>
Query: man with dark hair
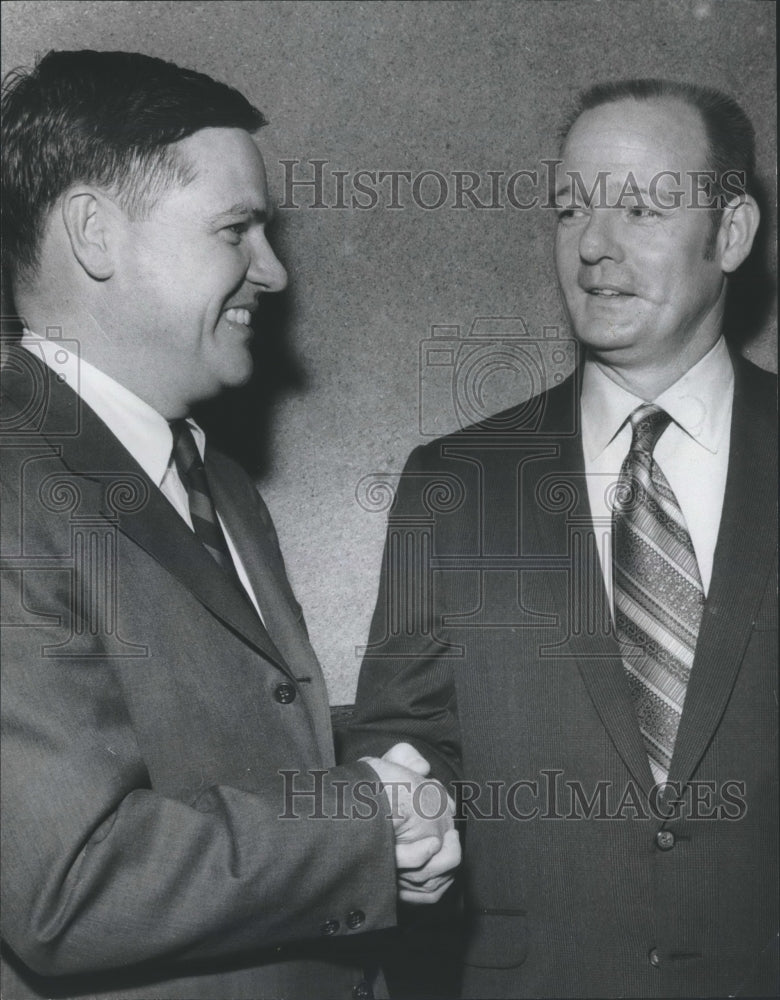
<point x="598" y="657"/>
<point x="173" y="824"/>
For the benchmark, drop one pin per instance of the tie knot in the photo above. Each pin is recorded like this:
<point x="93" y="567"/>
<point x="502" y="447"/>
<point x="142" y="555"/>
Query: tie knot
<point x="185" y="450"/>
<point x="648" y="422"/>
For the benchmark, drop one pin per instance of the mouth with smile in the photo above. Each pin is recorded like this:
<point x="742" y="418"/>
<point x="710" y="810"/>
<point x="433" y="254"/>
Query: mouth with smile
<point x="607" y="292"/>
<point x="239" y="315"/>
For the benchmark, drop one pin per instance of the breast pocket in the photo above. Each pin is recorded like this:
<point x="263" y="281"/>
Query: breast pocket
<point x="496" y="938"/>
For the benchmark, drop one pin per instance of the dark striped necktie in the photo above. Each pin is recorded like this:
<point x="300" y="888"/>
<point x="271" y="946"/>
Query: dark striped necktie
<point x="659" y="597"/>
<point x="205" y="522"/>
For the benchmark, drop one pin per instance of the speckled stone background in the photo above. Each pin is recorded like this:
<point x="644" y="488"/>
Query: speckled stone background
<point x="440" y="87"/>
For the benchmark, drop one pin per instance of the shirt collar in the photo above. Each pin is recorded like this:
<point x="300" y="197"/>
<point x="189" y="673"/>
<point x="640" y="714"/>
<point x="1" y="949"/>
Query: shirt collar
<point x="143" y="431"/>
<point x="699" y="402"/>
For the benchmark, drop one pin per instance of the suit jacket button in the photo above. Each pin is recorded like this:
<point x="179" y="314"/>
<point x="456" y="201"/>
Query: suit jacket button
<point x="655" y="958"/>
<point x="330" y="927"/>
<point x="664" y="840"/>
<point x="362" y="991"/>
<point x="355" y="919"/>
<point x="285" y="693"/>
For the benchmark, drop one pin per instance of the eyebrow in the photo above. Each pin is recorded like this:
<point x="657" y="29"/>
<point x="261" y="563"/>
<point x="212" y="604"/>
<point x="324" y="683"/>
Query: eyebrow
<point x="571" y="188"/>
<point x="259" y="215"/>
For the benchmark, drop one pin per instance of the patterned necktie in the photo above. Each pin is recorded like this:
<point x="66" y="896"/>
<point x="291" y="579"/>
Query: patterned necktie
<point x="205" y="522"/>
<point x="658" y="593"/>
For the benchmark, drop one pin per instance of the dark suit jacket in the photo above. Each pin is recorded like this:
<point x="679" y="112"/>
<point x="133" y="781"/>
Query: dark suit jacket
<point x="147" y="716"/>
<point x="492" y="650"/>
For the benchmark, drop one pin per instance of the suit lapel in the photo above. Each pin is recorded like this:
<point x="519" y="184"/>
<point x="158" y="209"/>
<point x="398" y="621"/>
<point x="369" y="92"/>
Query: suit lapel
<point x="160" y="531"/>
<point x="592" y="645"/>
<point x="103" y="466"/>
<point x="744" y="557"/>
<point x="261" y="559"/>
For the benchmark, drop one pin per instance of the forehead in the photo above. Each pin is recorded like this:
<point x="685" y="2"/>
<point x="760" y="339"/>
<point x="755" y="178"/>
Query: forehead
<point x="640" y="136"/>
<point x="227" y="169"/>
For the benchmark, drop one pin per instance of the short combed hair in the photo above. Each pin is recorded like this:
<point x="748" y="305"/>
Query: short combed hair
<point x="103" y="118"/>
<point x="730" y="135"/>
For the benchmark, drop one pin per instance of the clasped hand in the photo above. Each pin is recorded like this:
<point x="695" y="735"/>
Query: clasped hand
<point x="427" y="846"/>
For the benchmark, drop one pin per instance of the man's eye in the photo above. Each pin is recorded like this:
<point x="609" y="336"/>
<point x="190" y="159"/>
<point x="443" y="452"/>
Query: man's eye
<point x="234" y="232"/>
<point x="570" y="214"/>
<point x="642" y="212"/>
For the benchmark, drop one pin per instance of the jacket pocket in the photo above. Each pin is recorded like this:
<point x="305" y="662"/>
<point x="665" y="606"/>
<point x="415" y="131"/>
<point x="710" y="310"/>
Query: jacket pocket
<point x="496" y="938"/>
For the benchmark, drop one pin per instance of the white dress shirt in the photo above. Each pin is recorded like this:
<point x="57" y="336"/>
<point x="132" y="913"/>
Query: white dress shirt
<point x="693" y="451"/>
<point x="139" y="427"/>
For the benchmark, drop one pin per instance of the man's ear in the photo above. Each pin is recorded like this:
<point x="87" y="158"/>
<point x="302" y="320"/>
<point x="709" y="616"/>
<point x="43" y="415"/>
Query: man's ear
<point x="89" y="217"/>
<point x="737" y="231"/>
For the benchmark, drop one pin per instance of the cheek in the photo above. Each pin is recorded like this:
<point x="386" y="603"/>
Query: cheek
<point x="656" y="270"/>
<point x="566" y="259"/>
<point x="224" y="274"/>
<point x="224" y="256"/>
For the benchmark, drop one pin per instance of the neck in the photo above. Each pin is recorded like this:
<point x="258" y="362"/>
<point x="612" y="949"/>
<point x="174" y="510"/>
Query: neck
<point x="116" y="358"/>
<point x="648" y="381"/>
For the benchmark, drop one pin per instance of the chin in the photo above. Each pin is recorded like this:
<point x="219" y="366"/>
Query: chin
<point x="238" y="370"/>
<point x="604" y="339"/>
<point x="238" y="377"/>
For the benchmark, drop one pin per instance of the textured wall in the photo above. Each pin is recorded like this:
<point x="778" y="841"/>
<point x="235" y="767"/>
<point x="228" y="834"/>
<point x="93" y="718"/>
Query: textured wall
<point x="403" y="86"/>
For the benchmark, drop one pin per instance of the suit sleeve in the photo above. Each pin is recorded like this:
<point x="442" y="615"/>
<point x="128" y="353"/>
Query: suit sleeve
<point x="406" y="688"/>
<point x="102" y="868"/>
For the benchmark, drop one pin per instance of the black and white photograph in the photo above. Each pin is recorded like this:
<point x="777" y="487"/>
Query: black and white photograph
<point x="388" y="428"/>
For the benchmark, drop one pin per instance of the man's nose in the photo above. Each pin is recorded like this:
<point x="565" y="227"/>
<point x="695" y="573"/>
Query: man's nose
<point x="265" y="268"/>
<point x="600" y="238"/>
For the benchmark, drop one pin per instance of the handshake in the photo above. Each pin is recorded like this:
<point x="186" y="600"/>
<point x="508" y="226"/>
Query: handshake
<point x="427" y="847"/>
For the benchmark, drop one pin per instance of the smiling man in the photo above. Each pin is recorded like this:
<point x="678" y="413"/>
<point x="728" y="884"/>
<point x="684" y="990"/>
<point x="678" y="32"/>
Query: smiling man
<point x="173" y="824"/>
<point x="641" y="258"/>
<point x="599" y="656"/>
<point x="202" y="260"/>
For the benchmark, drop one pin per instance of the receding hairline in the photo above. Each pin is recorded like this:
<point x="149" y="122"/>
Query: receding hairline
<point x="729" y="132"/>
<point x="660" y="100"/>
